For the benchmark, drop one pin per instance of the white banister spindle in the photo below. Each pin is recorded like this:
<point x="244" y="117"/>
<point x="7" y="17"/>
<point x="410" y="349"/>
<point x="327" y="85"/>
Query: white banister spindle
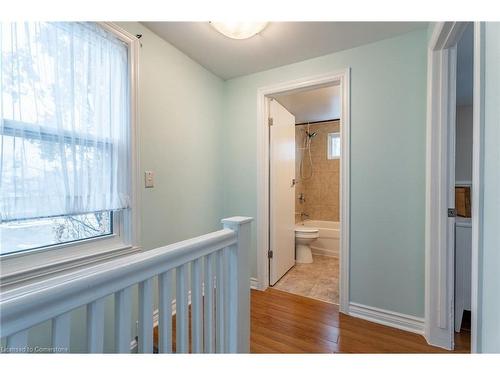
<point x="219" y="306"/>
<point x="123" y="320"/>
<point x="146" y="316"/>
<point x="17" y="342"/>
<point x="181" y="313"/>
<point x="238" y="283"/>
<point x="165" y="286"/>
<point x="208" y="305"/>
<point x="196" y="307"/>
<point x="226" y="299"/>
<point x="61" y="332"/>
<point x="95" y="326"/>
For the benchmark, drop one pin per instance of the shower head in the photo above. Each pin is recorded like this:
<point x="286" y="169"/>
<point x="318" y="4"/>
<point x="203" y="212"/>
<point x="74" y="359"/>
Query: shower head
<point x="311" y="135"/>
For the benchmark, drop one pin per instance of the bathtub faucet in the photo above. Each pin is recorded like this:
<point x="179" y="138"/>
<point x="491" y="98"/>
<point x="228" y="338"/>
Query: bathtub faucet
<point x="303" y="215"/>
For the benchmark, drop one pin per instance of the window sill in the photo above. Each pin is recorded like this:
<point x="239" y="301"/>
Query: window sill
<point x="55" y="263"/>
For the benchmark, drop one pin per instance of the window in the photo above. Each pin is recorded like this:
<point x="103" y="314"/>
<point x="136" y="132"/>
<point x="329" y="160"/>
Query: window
<point x="65" y="163"/>
<point x="333" y="145"/>
<point x="37" y="233"/>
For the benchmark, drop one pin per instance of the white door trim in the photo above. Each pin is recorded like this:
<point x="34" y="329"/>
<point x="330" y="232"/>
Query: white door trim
<point x="439" y="258"/>
<point x="342" y="77"/>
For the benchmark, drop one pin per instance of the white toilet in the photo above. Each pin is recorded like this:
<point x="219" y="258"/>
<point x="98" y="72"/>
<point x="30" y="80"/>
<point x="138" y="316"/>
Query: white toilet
<point x="303" y="238"/>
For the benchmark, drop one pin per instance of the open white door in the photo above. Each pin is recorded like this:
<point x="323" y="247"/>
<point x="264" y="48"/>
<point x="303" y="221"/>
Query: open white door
<point x="282" y="191"/>
<point x="440" y="197"/>
<point x="451" y="211"/>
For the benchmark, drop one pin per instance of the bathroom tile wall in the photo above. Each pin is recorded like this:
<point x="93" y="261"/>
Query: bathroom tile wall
<point x="321" y="189"/>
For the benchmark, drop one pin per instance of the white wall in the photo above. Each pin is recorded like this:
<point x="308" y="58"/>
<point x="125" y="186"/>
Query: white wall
<point x="463" y="151"/>
<point x="489" y="314"/>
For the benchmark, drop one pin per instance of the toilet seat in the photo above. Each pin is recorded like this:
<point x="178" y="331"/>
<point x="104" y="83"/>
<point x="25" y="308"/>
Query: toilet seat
<point x="306" y="232"/>
<point x="304" y="229"/>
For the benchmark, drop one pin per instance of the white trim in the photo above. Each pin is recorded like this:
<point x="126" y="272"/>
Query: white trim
<point x="21" y="276"/>
<point x="440" y="183"/>
<point x="477" y="176"/>
<point x="393" y="319"/>
<point x="345" y="183"/>
<point x="132" y="223"/>
<point x="41" y="263"/>
<point x="343" y="78"/>
<point x="254" y="283"/>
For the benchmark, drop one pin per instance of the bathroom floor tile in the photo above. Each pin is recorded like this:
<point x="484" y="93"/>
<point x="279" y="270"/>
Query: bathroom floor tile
<point x="319" y="280"/>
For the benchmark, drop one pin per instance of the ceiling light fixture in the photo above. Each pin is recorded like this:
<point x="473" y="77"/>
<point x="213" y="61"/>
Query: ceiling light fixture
<point x="239" y="30"/>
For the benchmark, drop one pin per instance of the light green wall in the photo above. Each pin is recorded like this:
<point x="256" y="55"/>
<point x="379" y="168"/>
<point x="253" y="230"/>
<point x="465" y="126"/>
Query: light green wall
<point x="489" y="330"/>
<point x="388" y="114"/>
<point x="180" y="115"/>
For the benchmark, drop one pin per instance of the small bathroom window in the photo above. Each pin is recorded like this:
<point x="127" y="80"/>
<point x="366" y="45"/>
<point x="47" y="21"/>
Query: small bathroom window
<point x="333" y="145"/>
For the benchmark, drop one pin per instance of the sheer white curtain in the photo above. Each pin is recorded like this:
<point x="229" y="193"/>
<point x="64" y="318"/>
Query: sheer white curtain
<point x="65" y="120"/>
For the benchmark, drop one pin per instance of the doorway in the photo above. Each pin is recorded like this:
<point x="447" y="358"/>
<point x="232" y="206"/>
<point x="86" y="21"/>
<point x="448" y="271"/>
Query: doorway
<point x="463" y="185"/>
<point x="273" y="265"/>
<point x="451" y="185"/>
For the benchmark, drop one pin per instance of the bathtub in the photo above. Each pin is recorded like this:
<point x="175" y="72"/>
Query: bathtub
<point x="328" y="242"/>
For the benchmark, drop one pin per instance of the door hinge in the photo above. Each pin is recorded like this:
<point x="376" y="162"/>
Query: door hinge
<point x="452" y="212"/>
<point x="270" y="254"/>
<point x="270" y="121"/>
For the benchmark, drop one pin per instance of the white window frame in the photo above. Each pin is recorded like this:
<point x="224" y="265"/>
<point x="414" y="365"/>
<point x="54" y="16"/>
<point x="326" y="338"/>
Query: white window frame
<point x="26" y="266"/>
<point x="328" y="145"/>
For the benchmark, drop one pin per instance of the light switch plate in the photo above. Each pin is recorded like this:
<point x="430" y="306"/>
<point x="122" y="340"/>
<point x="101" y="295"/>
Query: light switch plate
<point x="149" y="179"/>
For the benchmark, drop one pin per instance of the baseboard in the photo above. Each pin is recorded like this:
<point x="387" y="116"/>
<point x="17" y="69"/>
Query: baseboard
<point x="393" y="319"/>
<point x="463" y="183"/>
<point x="324" y="252"/>
<point x="254" y="283"/>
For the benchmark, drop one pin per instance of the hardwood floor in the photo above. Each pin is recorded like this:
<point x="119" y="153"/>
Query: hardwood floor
<point x="286" y="323"/>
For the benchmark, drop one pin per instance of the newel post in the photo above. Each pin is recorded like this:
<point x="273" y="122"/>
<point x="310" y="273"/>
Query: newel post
<point x="238" y="283"/>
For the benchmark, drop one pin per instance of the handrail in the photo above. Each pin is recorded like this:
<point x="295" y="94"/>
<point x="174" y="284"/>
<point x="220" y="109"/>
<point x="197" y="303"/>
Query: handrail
<point x="42" y="301"/>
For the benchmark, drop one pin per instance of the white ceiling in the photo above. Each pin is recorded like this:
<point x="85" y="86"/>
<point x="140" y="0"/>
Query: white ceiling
<point x="465" y="66"/>
<point x="280" y="43"/>
<point x="319" y="104"/>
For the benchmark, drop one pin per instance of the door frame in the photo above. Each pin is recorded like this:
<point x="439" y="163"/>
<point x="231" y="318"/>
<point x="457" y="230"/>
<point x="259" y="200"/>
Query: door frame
<point x="440" y="148"/>
<point x="341" y="77"/>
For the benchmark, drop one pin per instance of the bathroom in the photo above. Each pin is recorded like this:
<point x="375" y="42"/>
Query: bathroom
<point x="316" y="189"/>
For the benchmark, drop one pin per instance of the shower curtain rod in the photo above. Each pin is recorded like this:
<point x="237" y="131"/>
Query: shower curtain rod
<point x="317" y="122"/>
